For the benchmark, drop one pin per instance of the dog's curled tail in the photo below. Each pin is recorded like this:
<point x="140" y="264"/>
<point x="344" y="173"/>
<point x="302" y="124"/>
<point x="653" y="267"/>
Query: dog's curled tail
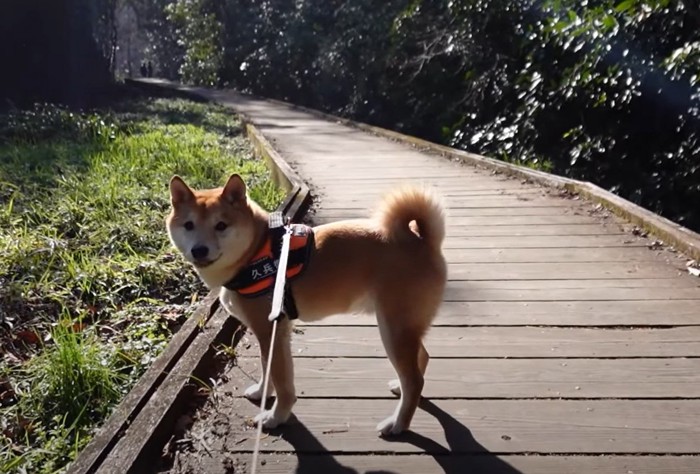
<point x="400" y="208"/>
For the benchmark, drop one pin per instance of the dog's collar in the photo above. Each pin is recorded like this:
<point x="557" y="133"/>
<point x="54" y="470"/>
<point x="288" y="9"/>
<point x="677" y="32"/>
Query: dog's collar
<point x="257" y="277"/>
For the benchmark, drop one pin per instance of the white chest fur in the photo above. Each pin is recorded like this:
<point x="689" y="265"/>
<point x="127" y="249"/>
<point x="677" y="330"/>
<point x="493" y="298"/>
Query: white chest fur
<point x="231" y="303"/>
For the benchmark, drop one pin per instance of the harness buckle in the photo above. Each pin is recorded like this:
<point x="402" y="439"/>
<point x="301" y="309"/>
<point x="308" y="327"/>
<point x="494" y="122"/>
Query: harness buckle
<point x="276" y="220"/>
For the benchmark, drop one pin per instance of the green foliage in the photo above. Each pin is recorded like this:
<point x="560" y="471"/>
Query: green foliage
<point x="90" y="288"/>
<point x="74" y="375"/>
<point x="197" y="28"/>
<point x="71" y="385"/>
<point x="49" y="122"/>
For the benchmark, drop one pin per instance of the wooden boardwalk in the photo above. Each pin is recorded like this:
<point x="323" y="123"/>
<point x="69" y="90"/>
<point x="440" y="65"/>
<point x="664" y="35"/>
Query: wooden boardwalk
<point x="565" y="344"/>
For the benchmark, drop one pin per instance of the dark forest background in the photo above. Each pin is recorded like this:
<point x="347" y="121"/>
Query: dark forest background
<point x="600" y="90"/>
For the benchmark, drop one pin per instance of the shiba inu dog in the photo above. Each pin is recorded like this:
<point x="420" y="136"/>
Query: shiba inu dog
<point x="391" y="265"/>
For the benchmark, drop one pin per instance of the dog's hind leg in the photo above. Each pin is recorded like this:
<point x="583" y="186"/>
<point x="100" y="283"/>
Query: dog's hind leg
<point x="403" y="346"/>
<point x="423" y="359"/>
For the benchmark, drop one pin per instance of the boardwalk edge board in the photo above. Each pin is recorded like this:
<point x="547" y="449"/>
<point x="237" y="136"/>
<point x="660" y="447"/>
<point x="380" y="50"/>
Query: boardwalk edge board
<point x="162" y="391"/>
<point x="127" y="411"/>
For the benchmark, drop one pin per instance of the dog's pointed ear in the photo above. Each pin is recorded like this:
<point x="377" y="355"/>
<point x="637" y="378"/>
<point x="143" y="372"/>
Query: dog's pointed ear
<point x="180" y="193"/>
<point x="234" y="190"/>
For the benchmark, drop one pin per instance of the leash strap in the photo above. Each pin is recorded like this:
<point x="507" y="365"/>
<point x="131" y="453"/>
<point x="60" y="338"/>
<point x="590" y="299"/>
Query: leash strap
<point x="276" y="221"/>
<point x="280" y="280"/>
<point x="263" y="400"/>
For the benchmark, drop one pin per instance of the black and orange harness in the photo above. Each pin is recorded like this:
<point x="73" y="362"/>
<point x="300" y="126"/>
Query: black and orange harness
<point x="258" y="277"/>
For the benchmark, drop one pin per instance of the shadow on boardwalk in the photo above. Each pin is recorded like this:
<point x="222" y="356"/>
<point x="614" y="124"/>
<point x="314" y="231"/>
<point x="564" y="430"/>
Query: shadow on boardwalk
<point x="459" y="439"/>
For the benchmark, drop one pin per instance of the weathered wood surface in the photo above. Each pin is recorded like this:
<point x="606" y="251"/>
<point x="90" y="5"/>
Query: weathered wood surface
<point x="631" y="313"/>
<point x="506" y="342"/>
<point x="522" y="218"/>
<point x="566" y="343"/>
<point x="601" y="256"/>
<point x="563" y="271"/>
<point x="501" y="378"/>
<point x="460" y="464"/>
<point x="482" y="426"/>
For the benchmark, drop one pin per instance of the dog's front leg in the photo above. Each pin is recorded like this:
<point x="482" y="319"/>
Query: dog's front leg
<point x="282" y="377"/>
<point x="255" y="391"/>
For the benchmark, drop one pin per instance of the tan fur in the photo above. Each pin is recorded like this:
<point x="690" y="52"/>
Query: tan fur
<point x="391" y="265"/>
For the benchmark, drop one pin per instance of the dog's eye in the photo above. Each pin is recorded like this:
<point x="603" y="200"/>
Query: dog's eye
<point x="189" y="225"/>
<point x="220" y="226"/>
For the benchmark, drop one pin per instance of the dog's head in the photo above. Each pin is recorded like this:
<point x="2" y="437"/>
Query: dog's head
<point x="212" y="228"/>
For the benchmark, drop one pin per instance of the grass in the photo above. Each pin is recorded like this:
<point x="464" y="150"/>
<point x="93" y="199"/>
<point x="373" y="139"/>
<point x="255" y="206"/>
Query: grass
<point x="536" y="163"/>
<point x="90" y="288"/>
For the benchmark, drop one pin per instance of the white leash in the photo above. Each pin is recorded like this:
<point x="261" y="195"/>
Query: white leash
<point x="275" y="311"/>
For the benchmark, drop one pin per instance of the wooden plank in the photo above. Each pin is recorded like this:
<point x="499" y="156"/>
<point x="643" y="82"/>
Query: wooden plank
<point x="550" y="313"/>
<point x="553" y="241"/>
<point x="512" y="342"/>
<point x="379" y="155"/>
<point x="374" y="162"/>
<point x="561" y="271"/>
<point x="517" y="231"/>
<point x="482" y="426"/>
<point x="484" y="210"/>
<point x="669" y="282"/>
<point x="373" y="194"/>
<point x="431" y="171"/>
<point x="366" y="182"/>
<point x="495" y="191"/>
<point x="381" y="177"/>
<point x="337" y="189"/>
<point x="339" y="186"/>
<point x="465" y="292"/>
<point x="504" y="195"/>
<point x="455" y="205"/>
<point x="388" y="174"/>
<point x="156" y="422"/>
<point x="498" y="378"/>
<point x="322" y="218"/>
<point x="605" y="255"/>
<point x="453" y="464"/>
<point x="369" y="196"/>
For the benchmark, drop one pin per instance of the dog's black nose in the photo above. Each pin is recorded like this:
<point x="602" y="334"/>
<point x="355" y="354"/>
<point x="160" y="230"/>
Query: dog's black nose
<point x="200" y="251"/>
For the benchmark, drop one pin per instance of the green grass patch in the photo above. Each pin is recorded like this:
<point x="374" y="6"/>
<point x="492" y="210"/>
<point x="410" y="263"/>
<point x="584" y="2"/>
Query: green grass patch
<point x="90" y="288"/>
<point x="536" y="163"/>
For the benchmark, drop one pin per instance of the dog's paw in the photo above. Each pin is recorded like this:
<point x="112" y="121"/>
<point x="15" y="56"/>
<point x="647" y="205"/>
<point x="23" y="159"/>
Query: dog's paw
<point x="395" y="387"/>
<point x="390" y="427"/>
<point x="270" y="420"/>
<point x="254" y="392"/>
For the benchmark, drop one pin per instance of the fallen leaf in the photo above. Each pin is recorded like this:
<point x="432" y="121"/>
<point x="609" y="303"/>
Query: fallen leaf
<point x="78" y="327"/>
<point x="27" y="336"/>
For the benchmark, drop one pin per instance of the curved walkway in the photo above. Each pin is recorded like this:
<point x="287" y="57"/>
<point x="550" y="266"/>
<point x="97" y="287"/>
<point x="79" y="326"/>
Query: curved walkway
<point x="566" y="343"/>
